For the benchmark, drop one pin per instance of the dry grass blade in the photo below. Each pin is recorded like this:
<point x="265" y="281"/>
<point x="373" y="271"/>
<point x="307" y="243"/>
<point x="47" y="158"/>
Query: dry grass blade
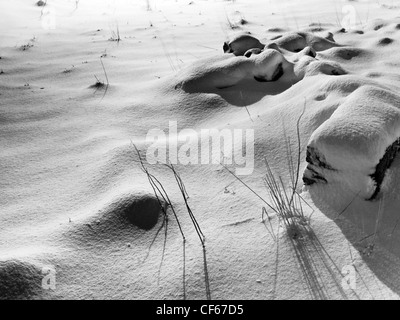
<point x="299" y="145"/>
<point x="168" y="56"/>
<point x="105" y="74"/>
<point x="379" y="217"/>
<point x="248" y="187"/>
<point x="196" y="225"/>
<point x="115" y="36"/>
<point x="159" y="191"/>
<point x="42" y="4"/>
<point x="148" y="5"/>
<point x="348" y="205"/>
<point x="247" y="109"/>
<point x="265" y="213"/>
<point x="185" y="197"/>
<point x="100" y="84"/>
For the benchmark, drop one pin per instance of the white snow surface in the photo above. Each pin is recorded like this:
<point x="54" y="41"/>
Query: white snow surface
<point x="69" y="180"/>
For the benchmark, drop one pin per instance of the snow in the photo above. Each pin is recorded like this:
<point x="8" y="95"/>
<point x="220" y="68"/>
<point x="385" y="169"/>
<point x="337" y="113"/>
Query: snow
<point x="69" y="169"/>
<point x="356" y="136"/>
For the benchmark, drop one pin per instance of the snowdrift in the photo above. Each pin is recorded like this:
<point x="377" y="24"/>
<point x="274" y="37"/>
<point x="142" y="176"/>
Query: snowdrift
<point x="358" y="143"/>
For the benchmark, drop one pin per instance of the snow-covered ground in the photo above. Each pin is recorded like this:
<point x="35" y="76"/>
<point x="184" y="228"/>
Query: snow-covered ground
<point x="82" y="83"/>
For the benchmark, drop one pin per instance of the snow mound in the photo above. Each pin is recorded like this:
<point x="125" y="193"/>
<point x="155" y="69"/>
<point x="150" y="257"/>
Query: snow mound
<point x="357" y="143"/>
<point x="356" y="140"/>
<point x="241" y="43"/>
<point x="19" y="280"/>
<point x="225" y="71"/>
<point x="344" y="53"/>
<point x="246" y="61"/>
<point x="126" y="216"/>
<point x="297" y="41"/>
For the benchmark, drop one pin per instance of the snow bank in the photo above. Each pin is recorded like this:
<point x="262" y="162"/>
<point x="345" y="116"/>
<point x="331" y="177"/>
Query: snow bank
<point x="357" y="143"/>
<point x="290" y="58"/>
<point x="297" y="41"/>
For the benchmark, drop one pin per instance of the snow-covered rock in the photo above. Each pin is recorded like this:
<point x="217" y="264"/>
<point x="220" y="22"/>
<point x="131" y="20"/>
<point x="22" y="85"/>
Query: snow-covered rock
<point x="357" y="143"/>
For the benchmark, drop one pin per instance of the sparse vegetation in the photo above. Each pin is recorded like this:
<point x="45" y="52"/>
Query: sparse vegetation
<point x="168" y="56"/>
<point x="115" y="36"/>
<point x="371" y="239"/>
<point x="42" y="4"/>
<point x="100" y="84"/>
<point x="148" y="5"/>
<point x="231" y="24"/>
<point x="26" y="47"/>
<point x="237" y="21"/>
<point x="69" y="70"/>
<point x="163" y="197"/>
<point x="196" y="225"/>
<point x="285" y="201"/>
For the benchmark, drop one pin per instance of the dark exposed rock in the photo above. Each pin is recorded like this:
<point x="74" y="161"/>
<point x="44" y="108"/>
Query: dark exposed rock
<point x="383" y="165"/>
<point x="311" y="176"/>
<point x="308" y="181"/>
<point x="317" y="159"/>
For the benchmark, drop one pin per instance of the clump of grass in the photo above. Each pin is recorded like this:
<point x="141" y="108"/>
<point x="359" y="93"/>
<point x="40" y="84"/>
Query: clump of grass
<point x="115" y="36"/>
<point x="284" y="201"/>
<point x="231" y="24"/>
<point x="148" y="5"/>
<point x="237" y="22"/>
<point x="41" y="4"/>
<point x="287" y="203"/>
<point x="100" y="84"/>
<point x="69" y="70"/>
<point x="26" y="47"/>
